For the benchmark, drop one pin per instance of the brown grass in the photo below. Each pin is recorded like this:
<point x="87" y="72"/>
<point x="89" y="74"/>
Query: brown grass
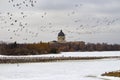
<point x="115" y="74"/>
<point x="46" y="59"/>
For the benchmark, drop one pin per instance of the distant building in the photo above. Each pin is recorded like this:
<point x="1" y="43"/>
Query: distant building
<point x="61" y="37"/>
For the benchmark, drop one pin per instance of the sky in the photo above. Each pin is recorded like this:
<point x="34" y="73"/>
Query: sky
<point x="28" y="21"/>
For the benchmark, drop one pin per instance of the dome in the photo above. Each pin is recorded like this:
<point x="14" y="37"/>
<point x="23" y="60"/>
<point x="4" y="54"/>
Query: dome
<point x="61" y="33"/>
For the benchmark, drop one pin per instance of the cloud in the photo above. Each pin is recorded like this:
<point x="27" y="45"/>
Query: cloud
<point x="69" y="15"/>
<point x="56" y="4"/>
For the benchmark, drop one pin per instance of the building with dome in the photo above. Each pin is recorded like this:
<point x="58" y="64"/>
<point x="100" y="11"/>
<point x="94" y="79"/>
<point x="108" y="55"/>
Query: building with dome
<point x="61" y="37"/>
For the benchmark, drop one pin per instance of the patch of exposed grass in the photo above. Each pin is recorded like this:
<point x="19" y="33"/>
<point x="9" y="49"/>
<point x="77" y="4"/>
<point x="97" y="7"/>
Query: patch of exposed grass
<point x="115" y="74"/>
<point x="46" y="59"/>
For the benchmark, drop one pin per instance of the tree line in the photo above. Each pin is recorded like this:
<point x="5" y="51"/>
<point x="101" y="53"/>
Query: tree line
<point x="48" y="48"/>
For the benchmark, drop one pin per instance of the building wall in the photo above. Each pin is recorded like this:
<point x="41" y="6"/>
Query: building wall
<point x="61" y="39"/>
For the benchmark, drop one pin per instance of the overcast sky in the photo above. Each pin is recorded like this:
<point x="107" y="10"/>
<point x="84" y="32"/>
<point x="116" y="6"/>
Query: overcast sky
<point x="81" y="20"/>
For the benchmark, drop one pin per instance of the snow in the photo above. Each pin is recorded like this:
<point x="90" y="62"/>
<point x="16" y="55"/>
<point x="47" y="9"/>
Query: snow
<point x="64" y="70"/>
<point x="76" y="54"/>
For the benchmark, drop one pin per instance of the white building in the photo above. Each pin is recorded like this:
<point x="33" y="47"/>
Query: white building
<point x="61" y="37"/>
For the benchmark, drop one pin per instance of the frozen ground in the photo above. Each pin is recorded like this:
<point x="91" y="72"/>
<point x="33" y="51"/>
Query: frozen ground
<point x="66" y="70"/>
<point x="76" y="54"/>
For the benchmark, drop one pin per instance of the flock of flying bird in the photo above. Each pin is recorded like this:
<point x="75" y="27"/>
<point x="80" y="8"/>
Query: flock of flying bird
<point x="12" y="21"/>
<point x="23" y="3"/>
<point x="15" y="25"/>
<point x="98" y="22"/>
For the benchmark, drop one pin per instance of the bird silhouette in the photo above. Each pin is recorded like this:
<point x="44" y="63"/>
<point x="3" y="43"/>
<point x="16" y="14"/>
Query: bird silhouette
<point x="22" y="3"/>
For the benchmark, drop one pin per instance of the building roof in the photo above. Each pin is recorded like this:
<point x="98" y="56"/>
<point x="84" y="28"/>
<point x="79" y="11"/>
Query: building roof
<point x="61" y="33"/>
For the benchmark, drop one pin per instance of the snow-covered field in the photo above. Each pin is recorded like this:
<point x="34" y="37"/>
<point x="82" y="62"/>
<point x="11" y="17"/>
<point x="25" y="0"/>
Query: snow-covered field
<point x="76" y="54"/>
<point x="63" y="70"/>
<point x="66" y="70"/>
